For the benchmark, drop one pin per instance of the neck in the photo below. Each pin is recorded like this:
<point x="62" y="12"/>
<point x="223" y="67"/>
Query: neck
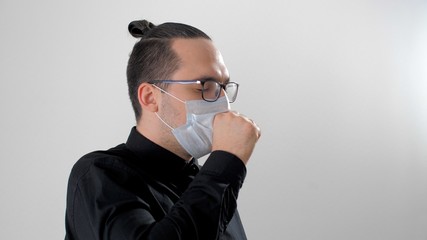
<point x="162" y="137"/>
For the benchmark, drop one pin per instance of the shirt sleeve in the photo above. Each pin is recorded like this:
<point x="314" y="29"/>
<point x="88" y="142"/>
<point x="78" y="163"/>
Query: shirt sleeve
<point x="202" y="212"/>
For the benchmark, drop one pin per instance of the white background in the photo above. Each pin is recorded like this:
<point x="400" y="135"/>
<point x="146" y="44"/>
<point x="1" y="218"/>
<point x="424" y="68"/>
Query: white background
<point x="339" y="89"/>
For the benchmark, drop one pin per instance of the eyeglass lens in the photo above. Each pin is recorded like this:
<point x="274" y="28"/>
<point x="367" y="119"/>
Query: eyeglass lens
<point x="212" y="90"/>
<point x="231" y="91"/>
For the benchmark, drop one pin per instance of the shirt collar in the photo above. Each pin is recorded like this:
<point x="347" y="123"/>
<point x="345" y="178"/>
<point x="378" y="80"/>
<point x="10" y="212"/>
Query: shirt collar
<point x="156" y="160"/>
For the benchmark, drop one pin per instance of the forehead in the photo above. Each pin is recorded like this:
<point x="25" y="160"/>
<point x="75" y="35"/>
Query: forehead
<point x="198" y="58"/>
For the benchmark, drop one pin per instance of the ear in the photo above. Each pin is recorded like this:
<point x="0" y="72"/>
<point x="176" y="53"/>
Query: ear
<point x="147" y="97"/>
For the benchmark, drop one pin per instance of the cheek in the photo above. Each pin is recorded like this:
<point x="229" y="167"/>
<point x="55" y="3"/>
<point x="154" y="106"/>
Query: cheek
<point x="173" y="112"/>
<point x="180" y="115"/>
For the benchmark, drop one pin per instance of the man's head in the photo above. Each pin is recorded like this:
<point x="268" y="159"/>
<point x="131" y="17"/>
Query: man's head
<point x="152" y="57"/>
<point x="172" y="64"/>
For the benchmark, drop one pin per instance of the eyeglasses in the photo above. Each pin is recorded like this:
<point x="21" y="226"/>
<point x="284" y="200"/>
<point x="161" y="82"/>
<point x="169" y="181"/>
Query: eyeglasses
<point x="211" y="89"/>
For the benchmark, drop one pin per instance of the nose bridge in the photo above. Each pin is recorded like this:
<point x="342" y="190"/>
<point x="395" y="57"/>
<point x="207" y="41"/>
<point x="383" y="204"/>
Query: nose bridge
<point x="222" y="91"/>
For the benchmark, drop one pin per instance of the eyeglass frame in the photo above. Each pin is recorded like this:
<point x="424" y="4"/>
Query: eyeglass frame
<point x="201" y="82"/>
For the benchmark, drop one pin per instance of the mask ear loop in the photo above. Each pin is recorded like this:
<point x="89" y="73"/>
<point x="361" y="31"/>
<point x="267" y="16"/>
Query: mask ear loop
<point x="163" y="91"/>
<point x="163" y="121"/>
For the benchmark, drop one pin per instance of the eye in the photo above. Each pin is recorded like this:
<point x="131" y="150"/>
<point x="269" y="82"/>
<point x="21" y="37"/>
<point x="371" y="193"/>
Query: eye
<point x="210" y="85"/>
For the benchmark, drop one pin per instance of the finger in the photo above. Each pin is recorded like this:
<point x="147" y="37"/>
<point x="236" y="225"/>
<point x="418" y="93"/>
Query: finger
<point x="257" y="128"/>
<point x="255" y="125"/>
<point x="249" y="120"/>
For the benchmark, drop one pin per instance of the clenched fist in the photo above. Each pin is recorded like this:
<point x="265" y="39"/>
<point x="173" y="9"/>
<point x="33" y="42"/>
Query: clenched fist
<point x="236" y="134"/>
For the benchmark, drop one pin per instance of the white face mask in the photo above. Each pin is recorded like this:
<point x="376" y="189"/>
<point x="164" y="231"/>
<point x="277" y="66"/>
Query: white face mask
<point x="195" y="136"/>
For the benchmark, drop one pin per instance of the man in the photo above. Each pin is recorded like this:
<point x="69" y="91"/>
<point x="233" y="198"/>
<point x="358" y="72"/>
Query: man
<point x="151" y="187"/>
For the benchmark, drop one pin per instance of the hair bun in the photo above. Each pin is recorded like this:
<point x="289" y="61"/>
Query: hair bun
<point x="140" y="27"/>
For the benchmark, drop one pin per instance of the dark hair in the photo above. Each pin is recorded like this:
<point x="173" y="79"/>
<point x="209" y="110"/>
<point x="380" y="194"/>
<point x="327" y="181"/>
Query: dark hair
<point x="152" y="57"/>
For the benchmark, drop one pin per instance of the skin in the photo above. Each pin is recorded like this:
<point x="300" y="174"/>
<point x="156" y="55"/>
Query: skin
<point x="232" y="132"/>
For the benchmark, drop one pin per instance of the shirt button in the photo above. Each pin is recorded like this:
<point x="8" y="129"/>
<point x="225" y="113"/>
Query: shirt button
<point x="194" y="169"/>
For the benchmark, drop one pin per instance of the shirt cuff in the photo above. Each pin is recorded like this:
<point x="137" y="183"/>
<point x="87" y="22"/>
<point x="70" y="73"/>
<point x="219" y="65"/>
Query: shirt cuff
<point x="225" y="165"/>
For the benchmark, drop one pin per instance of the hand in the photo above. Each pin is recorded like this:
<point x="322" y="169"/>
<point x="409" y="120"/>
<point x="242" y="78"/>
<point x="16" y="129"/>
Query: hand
<point x="236" y="134"/>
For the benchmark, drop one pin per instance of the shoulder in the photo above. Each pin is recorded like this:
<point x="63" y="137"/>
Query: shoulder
<point x="107" y="162"/>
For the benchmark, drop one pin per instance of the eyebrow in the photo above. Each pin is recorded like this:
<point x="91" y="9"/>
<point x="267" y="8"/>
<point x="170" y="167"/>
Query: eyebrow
<point x="206" y="78"/>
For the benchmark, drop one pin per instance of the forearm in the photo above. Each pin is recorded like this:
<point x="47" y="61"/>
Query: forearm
<point x="212" y="196"/>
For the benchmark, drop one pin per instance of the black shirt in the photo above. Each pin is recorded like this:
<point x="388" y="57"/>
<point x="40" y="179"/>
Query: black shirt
<point x="140" y="190"/>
